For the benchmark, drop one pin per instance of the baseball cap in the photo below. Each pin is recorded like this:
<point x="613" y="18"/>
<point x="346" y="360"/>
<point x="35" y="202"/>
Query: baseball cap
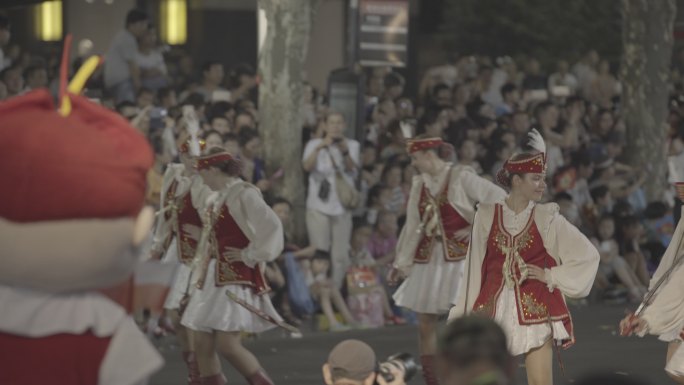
<point x="352" y="359"/>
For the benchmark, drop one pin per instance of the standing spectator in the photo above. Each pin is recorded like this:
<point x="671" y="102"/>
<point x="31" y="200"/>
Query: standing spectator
<point x="563" y="78"/>
<point x="534" y="79"/>
<point x="121" y="72"/>
<point x="511" y="96"/>
<point x="4" y="40"/>
<point x="253" y="167"/>
<point x="585" y="71"/>
<point x="13" y="79"/>
<point x="394" y="86"/>
<point x="151" y="62"/>
<point x="145" y="98"/>
<point x="36" y="77"/>
<point x="604" y="86"/>
<point x="329" y="223"/>
<point x="167" y="97"/>
<point x="243" y="80"/>
<point x="212" y="78"/>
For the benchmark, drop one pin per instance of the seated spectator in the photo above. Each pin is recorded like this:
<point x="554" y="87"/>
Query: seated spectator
<point x="383" y="241"/>
<point x="378" y="200"/>
<point x="220" y="123"/>
<point x="603" y="200"/>
<point x="659" y="223"/>
<point x="282" y="208"/>
<point x="392" y="178"/>
<point x="612" y="264"/>
<point x="244" y="119"/>
<point x="569" y="209"/>
<point x="231" y="144"/>
<point x="394" y="142"/>
<point x="473" y="350"/>
<point x="213" y="139"/>
<point x="36" y="77"/>
<point x="467" y="155"/>
<point x="325" y="292"/>
<point x="626" y="185"/>
<point x="631" y="238"/>
<point x="367" y="297"/>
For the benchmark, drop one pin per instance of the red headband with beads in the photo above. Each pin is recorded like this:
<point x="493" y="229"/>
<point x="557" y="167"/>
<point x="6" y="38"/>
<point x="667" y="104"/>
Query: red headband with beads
<point x="534" y="164"/>
<point x="414" y="145"/>
<point x="205" y="162"/>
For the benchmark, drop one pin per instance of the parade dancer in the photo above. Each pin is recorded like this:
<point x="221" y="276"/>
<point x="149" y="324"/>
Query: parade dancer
<point x="434" y="241"/>
<point x="662" y="311"/>
<point x="240" y="234"/>
<point x="183" y="197"/>
<point x="72" y="222"/>
<point x="524" y="257"/>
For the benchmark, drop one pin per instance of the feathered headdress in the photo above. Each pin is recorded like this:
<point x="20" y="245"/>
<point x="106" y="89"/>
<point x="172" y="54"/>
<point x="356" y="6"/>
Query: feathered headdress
<point x="526" y="163"/>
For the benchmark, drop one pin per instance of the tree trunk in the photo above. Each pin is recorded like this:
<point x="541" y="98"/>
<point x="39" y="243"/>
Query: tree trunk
<point x="281" y="65"/>
<point x="647" y="42"/>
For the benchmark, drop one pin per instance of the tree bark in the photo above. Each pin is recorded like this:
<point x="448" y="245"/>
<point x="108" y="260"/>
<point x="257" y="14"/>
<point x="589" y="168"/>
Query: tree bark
<point x="647" y="42"/>
<point x="281" y="63"/>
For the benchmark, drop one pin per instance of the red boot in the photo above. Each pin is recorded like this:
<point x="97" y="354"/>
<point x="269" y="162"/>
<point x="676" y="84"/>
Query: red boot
<point x="260" y="378"/>
<point x="428" y="363"/>
<point x="216" y="379"/>
<point x="193" y="368"/>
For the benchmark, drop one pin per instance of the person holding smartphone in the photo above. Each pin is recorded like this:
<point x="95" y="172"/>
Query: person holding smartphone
<point x="328" y="221"/>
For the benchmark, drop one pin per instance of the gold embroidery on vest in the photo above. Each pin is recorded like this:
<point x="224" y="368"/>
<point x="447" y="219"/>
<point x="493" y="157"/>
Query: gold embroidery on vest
<point x="532" y="308"/>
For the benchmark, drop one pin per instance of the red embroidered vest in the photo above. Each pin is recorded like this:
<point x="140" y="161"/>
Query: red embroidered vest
<point x="226" y="233"/>
<point x="535" y="304"/>
<point x="70" y="359"/>
<point x="187" y="214"/>
<point x="449" y="222"/>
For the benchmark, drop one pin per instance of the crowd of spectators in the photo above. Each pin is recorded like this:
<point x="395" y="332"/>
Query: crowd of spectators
<point x="483" y="106"/>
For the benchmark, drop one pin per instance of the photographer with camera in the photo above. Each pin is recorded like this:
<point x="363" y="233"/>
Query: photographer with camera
<point x="472" y="350"/>
<point x="332" y="163"/>
<point x="353" y="362"/>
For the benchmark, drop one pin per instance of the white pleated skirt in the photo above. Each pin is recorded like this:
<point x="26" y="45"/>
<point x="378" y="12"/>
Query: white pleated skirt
<point x="211" y="309"/>
<point x="675" y="365"/>
<point x="431" y="288"/>
<point x="523" y="338"/>
<point x="181" y="285"/>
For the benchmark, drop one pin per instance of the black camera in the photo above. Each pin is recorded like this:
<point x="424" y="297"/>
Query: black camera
<point x="402" y="361"/>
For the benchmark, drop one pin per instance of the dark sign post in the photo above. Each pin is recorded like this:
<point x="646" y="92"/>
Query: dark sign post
<point x="346" y="95"/>
<point x="383" y="33"/>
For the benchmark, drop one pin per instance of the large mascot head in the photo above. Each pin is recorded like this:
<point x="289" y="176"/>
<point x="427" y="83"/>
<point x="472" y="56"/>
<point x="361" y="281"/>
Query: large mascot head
<point x="73" y="187"/>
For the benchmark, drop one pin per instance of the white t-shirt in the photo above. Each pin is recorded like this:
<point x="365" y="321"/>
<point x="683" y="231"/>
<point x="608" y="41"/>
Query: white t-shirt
<point x="154" y="59"/>
<point x="123" y="50"/>
<point x="324" y="170"/>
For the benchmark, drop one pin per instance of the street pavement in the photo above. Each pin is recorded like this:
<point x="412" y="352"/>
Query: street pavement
<point x="298" y="361"/>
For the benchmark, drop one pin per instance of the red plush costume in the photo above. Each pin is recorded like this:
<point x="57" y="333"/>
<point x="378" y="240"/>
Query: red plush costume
<point x="72" y="196"/>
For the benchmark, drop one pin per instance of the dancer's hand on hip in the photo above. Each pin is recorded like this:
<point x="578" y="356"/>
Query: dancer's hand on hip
<point x="536" y="272"/>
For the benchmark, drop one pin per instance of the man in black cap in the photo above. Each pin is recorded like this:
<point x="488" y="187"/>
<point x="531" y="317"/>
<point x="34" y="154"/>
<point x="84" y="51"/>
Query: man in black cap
<point x="352" y="362"/>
